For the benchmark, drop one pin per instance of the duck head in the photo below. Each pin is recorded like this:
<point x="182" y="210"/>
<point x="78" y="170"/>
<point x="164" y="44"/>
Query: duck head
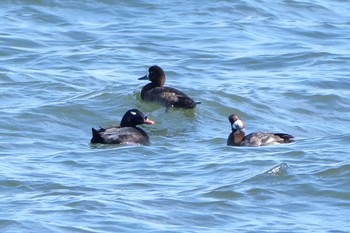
<point x="156" y="75"/>
<point x="237" y="124"/>
<point x="134" y="117"/>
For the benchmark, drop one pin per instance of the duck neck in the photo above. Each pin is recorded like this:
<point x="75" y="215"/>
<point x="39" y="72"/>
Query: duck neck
<point x="146" y="88"/>
<point x="238" y="137"/>
<point x="161" y="82"/>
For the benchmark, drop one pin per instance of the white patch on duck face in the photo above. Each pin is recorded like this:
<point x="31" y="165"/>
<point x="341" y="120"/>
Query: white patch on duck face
<point x="133" y="113"/>
<point x="239" y="125"/>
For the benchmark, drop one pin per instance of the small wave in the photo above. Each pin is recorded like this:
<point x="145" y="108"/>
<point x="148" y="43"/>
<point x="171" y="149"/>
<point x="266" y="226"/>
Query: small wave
<point x="275" y="171"/>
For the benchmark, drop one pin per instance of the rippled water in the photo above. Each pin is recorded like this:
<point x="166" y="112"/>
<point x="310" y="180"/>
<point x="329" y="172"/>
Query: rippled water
<point x="67" y="66"/>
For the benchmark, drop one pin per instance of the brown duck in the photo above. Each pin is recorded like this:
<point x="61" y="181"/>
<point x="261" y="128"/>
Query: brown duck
<point x="155" y="91"/>
<point x="238" y="137"/>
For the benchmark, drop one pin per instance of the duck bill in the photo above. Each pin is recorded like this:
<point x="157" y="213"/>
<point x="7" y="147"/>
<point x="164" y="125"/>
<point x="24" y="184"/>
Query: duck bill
<point x="148" y="121"/>
<point x="144" y="77"/>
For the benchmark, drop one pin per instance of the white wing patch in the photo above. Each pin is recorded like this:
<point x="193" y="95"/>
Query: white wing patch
<point x="270" y="140"/>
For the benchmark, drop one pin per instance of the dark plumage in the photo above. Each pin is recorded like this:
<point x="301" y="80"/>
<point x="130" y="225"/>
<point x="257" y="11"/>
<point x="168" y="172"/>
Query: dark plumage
<point x="238" y="138"/>
<point x="126" y="133"/>
<point x="155" y="91"/>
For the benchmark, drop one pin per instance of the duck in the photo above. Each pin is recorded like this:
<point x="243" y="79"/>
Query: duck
<point x="127" y="133"/>
<point x="238" y="137"/>
<point x="155" y="91"/>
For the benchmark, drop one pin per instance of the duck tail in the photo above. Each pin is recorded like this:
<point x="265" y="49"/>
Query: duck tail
<point x="96" y="136"/>
<point x="194" y="104"/>
<point x="287" y="138"/>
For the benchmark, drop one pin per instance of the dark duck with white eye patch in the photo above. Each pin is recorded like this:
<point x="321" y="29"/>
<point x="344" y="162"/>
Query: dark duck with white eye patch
<point x="238" y="138"/>
<point x="126" y="133"/>
<point x="155" y="91"/>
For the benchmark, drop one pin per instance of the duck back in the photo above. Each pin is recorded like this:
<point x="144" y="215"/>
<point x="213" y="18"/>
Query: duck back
<point x="120" y="135"/>
<point x="168" y="96"/>
<point x="265" y="139"/>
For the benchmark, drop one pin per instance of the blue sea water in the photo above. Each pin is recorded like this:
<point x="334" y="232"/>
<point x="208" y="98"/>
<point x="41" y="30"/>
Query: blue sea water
<point x="67" y="66"/>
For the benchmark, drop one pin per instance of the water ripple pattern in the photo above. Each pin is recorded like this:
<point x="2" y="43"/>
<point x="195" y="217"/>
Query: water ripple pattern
<point x="67" y="66"/>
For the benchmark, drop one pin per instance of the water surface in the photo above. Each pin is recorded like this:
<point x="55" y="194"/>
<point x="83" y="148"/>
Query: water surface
<point x="67" y="66"/>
